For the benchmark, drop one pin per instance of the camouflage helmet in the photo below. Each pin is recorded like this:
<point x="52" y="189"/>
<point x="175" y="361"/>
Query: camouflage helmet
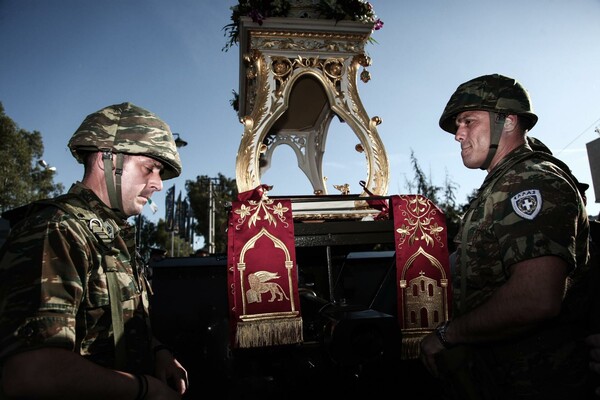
<point x="496" y="93"/>
<point x="128" y="129"/>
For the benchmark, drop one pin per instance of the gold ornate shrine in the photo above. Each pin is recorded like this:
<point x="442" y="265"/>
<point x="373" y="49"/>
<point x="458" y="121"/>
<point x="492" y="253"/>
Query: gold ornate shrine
<point x="296" y="75"/>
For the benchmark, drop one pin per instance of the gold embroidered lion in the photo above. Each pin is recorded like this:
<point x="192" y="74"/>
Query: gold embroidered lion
<point x="259" y="284"/>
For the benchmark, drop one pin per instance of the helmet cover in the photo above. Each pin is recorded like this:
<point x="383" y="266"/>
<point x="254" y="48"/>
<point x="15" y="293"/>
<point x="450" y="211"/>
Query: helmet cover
<point x="129" y="129"/>
<point x="495" y="93"/>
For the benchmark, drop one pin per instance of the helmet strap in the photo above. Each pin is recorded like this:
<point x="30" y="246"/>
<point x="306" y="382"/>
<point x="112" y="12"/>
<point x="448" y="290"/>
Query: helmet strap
<point x="113" y="188"/>
<point x="496" y="126"/>
<point x="118" y="175"/>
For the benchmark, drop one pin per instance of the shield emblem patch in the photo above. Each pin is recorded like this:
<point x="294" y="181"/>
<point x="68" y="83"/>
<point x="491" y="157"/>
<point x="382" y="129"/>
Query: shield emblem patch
<point x="527" y="204"/>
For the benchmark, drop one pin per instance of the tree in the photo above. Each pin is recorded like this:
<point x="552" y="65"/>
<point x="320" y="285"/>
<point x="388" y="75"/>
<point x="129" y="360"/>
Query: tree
<point x="224" y="191"/>
<point x="155" y="236"/>
<point x="23" y="176"/>
<point x="147" y="236"/>
<point x="420" y="184"/>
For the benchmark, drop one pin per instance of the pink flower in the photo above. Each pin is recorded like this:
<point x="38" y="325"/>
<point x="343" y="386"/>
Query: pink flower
<point x="256" y="16"/>
<point x="378" y="24"/>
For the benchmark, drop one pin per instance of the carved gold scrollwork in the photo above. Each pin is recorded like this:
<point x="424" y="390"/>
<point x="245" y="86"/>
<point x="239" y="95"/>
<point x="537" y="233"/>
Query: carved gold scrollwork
<point x="363" y="60"/>
<point x="310" y="62"/>
<point x="282" y="68"/>
<point x="275" y="60"/>
<point x="333" y="68"/>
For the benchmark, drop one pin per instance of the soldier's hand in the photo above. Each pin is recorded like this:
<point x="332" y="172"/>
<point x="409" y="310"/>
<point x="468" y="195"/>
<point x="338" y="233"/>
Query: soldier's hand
<point x="158" y="389"/>
<point x="430" y="346"/>
<point x="170" y="371"/>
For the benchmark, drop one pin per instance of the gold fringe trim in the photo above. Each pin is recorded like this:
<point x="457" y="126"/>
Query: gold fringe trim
<point x="411" y="345"/>
<point x="269" y="332"/>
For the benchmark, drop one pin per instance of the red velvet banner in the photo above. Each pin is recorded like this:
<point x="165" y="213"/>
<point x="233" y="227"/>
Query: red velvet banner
<point x="262" y="272"/>
<point x="422" y="269"/>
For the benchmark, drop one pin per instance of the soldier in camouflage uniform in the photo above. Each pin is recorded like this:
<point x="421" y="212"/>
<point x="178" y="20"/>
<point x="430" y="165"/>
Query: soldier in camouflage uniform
<point x="74" y="318"/>
<point x="520" y="301"/>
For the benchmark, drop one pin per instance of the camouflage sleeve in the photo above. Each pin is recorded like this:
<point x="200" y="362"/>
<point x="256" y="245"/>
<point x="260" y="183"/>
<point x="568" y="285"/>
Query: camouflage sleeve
<point x="41" y="286"/>
<point x="538" y="210"/>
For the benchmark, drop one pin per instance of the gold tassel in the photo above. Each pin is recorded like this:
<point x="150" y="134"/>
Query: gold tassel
<point x="410" y="348"/>
<point x="269" y="332"/>
<point x="411" y="344"/>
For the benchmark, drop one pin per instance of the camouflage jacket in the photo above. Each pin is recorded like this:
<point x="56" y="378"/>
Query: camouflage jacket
<point x="527" y="207"/>
<point x="53" y="282"/>
<point x="524" y="210"/>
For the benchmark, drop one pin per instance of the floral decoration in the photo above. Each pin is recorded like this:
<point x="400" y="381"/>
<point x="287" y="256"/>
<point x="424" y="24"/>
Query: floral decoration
<point x="269" y="210"/>
<point x="259" y="10"/>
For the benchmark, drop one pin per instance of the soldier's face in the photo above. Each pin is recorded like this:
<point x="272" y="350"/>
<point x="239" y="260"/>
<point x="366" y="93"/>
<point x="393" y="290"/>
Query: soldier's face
<point x="141" y="178"/>
<point x="473" y="134"/>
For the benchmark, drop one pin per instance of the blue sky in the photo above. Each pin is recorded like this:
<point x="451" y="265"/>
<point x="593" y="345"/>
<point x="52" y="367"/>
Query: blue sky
<point x="61" y="60"/>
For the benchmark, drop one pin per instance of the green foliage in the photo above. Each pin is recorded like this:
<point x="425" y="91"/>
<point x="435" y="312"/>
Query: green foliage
<point x="347" y="9"/>
<point x="161" y="237"/>
<point x="179" y="247"/>
<point x="22" y="178"/>
<point x="147" y="234"/>
<point x="420" y="184"/>
<point x="224" y="191"/>
<point x="235" y="101"/>
<point x="259" y="10"/>
<point x="444" y="197"/>
<point x="152" y="236"/>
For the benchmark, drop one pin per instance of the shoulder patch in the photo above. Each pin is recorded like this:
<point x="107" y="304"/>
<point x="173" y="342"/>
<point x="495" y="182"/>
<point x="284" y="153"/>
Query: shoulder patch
<point x="527" y="204"/>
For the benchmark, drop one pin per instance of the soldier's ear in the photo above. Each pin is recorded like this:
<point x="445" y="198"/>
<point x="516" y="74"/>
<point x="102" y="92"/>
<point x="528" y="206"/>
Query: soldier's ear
<point x="99" y="161"/>
<point x="510" y="122"/>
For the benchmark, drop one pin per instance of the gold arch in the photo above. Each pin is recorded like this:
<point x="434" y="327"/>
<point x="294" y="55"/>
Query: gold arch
<point x="278" y="244"/>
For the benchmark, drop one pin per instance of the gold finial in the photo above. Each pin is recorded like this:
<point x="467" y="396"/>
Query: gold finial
<point x="345" y="188"/>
